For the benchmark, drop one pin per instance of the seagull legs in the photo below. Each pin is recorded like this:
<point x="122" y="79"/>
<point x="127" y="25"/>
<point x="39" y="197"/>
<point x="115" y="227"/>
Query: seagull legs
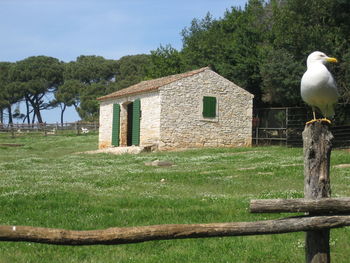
<point x="314" y="119"/>
<point x="317" y="120"/>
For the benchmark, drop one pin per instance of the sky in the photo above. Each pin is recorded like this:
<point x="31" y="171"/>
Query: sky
<point x="66" y="29"/>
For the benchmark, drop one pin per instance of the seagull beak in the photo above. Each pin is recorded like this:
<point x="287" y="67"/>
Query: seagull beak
<point x="333" y="60"/>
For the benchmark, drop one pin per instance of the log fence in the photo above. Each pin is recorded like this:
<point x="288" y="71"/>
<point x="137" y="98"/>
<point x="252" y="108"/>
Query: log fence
<point x="322" y="213"/>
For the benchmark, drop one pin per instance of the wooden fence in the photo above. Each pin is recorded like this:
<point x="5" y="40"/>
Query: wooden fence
<point x="50" y="128"/>
<point x="323" y="213"/>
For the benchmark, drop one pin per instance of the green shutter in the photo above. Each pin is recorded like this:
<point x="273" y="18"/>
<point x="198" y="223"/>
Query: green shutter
<point x="116" y="125"/>
<point x="209" y="107"/>
<point x="136" y="117"/>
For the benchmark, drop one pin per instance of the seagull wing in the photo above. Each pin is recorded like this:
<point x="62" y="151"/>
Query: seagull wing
<point x="319" y="89"/>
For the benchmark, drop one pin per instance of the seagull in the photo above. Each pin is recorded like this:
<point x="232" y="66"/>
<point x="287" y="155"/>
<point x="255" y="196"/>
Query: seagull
<point x="318" y="88"/>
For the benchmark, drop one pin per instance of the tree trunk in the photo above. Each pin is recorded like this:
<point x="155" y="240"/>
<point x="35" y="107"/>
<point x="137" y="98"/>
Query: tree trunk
<point x="317" y="150"/>
<point x="10" y="114"/>
<point x="62" y="113"/>
<point x="37" y="110"/>
<point x="1" y="117"/>
<point x="28" y="112"/>
<point x="33" y="119"/>
<point x="35" y="102"/>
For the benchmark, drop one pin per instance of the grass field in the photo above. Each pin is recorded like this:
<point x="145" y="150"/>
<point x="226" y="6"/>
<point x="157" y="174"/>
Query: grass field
<point x="46" y="183"/>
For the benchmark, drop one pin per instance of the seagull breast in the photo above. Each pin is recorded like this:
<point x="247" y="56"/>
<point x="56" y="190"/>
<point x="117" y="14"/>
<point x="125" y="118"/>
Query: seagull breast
<point x="318" y="88"/>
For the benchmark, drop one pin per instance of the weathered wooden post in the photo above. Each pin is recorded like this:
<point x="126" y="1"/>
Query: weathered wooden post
<point x="45" y="128"/>
<point x="77" y="128"/>
<point x="317" y="140"/>
<point x="12" y="129"/>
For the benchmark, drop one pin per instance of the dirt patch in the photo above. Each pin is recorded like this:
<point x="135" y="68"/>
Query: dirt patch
<point x="117" y="150"/>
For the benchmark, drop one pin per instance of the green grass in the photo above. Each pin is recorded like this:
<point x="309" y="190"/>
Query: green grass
<point x="45" y="183"/>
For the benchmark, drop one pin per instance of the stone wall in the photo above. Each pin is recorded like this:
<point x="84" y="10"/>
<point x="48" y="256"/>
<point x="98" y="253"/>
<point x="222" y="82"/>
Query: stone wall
<point x="182" y="124"/>
<point x="150" y="119"/>
<point x="105" y="130"/>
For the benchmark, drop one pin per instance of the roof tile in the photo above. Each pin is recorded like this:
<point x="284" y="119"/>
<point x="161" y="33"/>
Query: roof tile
<point x="150" y="85"/>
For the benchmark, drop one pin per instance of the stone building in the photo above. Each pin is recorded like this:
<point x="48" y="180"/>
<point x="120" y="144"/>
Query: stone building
<point x="189" y="110"/>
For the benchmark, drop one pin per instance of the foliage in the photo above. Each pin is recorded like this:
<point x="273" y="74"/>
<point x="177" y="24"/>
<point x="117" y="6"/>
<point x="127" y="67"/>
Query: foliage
<point x="165" y="61"/>
<point x="90" y="69"/>
<point x="97" y="77"/>
<point x="280" y="73"/>
<point x="85" y="80"/>
<point x="67" y="95"/>
<point x="130" y="70"/>
<point x="37" y="76"/>
<point x="9" y="91"/>
<point x="89" y="107"/>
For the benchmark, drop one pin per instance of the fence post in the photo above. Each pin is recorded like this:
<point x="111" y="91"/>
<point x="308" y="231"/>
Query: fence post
<point x="12" y="128"/>
<point x="317" y="140"/>
<point x="44" y="127"/>
<point x="287" y="119"/>
<point x="77" y="128"/>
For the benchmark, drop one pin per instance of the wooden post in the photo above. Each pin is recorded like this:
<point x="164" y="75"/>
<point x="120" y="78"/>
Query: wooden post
<point x="45" y="128"/>
<point x="287" y="118"/>
<point x="77" y="128"/>
<point x="326" y="206"/>
<point x="12" y="129"/>
<point x="317" y="151"/>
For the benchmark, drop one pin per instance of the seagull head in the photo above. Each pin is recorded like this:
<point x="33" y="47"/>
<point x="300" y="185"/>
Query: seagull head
<point x="319" y="57"/>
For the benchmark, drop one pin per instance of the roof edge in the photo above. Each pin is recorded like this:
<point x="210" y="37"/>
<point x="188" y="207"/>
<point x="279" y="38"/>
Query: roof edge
<point x="172" y="78"/>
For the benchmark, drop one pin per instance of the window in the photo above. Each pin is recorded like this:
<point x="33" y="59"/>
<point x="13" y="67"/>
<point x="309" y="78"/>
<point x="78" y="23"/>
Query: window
<point x="209" y="107"/>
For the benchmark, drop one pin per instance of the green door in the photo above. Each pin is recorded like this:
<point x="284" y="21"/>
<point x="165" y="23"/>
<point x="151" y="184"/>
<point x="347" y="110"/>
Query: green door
<point x="136" y="117"/>
<point x="116" y="125"/>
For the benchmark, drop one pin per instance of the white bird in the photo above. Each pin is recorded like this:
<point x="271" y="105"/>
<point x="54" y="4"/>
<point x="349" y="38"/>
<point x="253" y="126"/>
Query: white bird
<point x="318" y="88"/>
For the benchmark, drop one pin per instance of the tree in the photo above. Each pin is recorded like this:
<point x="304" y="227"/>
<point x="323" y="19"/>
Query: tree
<point x="94" y="73"/>
<point x="230" y="45"/>
<point x="201" y="42"/>
<point x="38" y="76"/>
<point x="130" y="70"/>
<point x="88" y="109"/>
<point x="247" y="34"/>
<point x="4" y="67"/>
<point x="67" y="95"/>
<point x="166" y="61"/>
<point x="280" y="73"/>
<point x="10" y="92"/>
<point x="91" y="69"/>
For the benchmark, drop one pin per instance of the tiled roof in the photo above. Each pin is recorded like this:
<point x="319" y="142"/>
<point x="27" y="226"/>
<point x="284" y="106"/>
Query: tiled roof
<point x="150" y="85"/>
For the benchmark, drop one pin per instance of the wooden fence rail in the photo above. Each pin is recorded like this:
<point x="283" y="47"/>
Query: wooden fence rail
<point x="127" y="235"/>
<point x="325" y="205"/>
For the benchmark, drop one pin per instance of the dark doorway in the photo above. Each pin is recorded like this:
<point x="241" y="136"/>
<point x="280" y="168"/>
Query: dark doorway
<point x="129" y="125"/>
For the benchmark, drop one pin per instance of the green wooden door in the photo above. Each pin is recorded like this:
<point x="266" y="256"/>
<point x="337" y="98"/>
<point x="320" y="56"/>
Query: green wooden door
<point x="116" y="125"/>
<point x="136" y="117"/>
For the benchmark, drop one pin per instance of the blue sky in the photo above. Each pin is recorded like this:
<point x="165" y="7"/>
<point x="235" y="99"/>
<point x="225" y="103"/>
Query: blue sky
<point x="65" y="29"/>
